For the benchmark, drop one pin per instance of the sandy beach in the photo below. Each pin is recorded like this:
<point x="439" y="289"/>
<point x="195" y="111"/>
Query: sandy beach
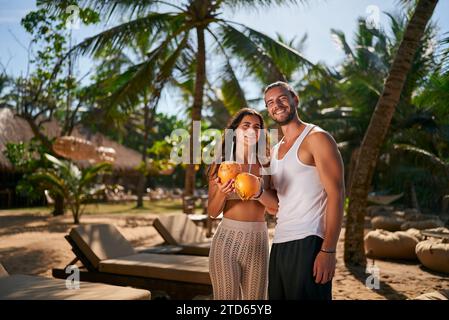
<point x="33" y="243"/>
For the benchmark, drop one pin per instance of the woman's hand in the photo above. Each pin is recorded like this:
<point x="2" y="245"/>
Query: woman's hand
<point x="260" y="191"/>
<point x="225" y="188"/>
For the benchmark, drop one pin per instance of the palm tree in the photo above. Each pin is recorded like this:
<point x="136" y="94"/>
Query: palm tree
<point x="343" y="100"/>
<point x="183" y="29"/>
<point x="378" y="128"/>
<point x="68" y="181"/>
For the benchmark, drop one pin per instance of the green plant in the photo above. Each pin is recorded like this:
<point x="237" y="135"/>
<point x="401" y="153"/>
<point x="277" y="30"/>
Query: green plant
<point x="70" y="182"/>
<point x="26" y="158"/>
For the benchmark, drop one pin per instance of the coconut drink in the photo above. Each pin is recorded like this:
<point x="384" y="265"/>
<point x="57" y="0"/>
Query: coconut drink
<point x="228" y="170"/>
<point x="247" y="185"/>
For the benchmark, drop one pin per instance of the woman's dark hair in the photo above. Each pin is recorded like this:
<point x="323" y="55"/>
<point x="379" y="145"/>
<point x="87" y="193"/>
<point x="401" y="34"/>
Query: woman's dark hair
<point x="233" y="124"/>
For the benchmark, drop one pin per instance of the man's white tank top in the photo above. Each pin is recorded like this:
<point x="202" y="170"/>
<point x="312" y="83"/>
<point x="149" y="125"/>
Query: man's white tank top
<point x="302" y="198"/>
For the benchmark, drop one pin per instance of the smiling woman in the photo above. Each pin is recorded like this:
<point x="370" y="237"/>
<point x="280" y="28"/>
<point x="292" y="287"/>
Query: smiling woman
<point x="239" y="250"/>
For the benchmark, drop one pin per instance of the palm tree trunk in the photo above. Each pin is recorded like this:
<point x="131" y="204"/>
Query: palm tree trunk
<point x="149" y="115"/>
<point x="377" y="130"/>
<point x="58" y="210"/>
<point x="143" y="174"/>
<point x="352" y="163"/>
<point x="200" y="80"/>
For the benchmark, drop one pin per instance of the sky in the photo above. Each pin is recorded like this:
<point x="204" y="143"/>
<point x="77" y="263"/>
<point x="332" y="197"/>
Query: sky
<point x="316" y="19"/>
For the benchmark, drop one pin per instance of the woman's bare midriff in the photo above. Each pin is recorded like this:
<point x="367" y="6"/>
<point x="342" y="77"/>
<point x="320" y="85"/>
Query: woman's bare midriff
<point x="249" y="210"/>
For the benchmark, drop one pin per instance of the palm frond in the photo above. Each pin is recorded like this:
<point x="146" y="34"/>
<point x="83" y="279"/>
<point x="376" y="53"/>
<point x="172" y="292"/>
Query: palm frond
<point x="130" y="92"/>
<point x="423" y="154"/>
<point x="255" y="58"/>
<point x="282" y="54"/>
<point x="233" y="95"/>
<point x="231" y="91"/>
<point x="407" y="4"/>
<point x="49" y="180"/>
<point x="117" y="37"/>
<point x="445" y="54"/>
<point x="107" y="8"/>
<point x="55" y="161"/>
<point x="340" y="39"/>
<point x="258" y="4"/>
<point x="90" y="174"/>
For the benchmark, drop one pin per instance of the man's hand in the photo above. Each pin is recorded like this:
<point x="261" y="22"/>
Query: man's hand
<point x="324" y="267"/>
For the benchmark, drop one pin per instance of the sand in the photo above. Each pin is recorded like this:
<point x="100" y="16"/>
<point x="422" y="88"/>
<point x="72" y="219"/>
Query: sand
<point x="33" y="243"/>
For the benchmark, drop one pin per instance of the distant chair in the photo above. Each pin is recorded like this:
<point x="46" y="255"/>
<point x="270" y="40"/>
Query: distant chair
<point x="177" y="193"/>
<point x="26" y="287"/>
<point x="179" y="230"/>
<point x="108" y="257"/>
<point x="188" y="204"/>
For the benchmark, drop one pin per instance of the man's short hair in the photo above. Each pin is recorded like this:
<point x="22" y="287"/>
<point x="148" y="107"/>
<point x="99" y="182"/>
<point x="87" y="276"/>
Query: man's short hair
<point x="283" y="85"/>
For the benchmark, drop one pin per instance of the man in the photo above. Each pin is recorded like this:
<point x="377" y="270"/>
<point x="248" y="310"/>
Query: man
<point x="307" y="173"/>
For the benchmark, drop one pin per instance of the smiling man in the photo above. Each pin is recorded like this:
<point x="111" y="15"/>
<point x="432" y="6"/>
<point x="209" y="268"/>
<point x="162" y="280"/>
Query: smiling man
<point x="307" y="173"/>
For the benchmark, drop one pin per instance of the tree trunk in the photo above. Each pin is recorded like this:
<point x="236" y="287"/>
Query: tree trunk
<point x="143" y="174"/>
<point x="37" y="133"/>
<point x="76" y="217"/>
<point x="352" y="163"/>
<point x="149" y="115"/>
<point x="200" y="79"/>
<point x="59" y="205"/>
<point x="414" y="197"/>
<point x="377" y="130"/>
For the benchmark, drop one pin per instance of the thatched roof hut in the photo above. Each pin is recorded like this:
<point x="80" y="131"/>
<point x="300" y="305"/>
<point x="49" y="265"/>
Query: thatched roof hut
<point x="14" y="129"/>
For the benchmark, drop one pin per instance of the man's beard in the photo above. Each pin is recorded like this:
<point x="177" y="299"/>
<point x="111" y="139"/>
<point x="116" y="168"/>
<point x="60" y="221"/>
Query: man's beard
<point x="289" y="118"/>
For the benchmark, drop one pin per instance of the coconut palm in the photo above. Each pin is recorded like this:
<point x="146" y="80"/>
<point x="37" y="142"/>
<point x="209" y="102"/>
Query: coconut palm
<point x="378" y="128"/>
<point x="70" y="182"/>
<point x="343" y="101"/>
<point x="185" y="27"/>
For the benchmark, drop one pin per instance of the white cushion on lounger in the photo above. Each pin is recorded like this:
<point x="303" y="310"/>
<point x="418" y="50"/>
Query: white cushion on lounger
<point x="24" y="287"/>
<point x="194" y="269"/>
<point x="101" y="242"/>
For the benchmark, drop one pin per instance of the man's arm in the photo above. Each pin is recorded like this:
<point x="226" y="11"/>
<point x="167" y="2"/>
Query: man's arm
<point x="329" y="165"/>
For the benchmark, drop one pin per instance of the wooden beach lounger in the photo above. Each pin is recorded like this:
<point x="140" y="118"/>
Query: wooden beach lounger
<point x="108" y="257"/>
<point x="178" y="230"/>
<point x="25" y="287"/>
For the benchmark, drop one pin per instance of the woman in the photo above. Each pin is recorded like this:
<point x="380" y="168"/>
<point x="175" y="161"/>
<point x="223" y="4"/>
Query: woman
<point x="238" y="258"/>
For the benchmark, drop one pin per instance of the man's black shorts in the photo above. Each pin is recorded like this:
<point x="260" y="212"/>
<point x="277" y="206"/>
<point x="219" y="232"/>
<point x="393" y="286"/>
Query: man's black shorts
<point x="291" y="271"/>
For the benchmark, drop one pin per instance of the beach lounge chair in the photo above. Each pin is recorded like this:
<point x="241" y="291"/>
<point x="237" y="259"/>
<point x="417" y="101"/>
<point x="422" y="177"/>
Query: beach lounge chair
<point x="25" y="287"/>
<point x="108" y="257"/>
<point x="180" y="231"/>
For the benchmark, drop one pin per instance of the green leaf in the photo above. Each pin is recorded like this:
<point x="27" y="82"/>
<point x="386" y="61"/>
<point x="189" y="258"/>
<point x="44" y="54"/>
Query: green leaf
<point x="255" y="57"/>
<point x="119" y="36"/>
